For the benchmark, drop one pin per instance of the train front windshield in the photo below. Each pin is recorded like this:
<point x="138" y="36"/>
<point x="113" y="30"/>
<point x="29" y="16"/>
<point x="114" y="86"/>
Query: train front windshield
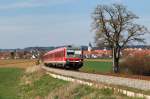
<point x="74" y="53"/>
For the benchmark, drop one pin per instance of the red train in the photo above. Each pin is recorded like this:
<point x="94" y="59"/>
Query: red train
<point x="66" y="57"/>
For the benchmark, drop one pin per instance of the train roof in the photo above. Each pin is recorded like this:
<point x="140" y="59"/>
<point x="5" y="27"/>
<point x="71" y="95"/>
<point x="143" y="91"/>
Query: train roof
<point x="62" y="48"/>
<point x="55" y="50"/>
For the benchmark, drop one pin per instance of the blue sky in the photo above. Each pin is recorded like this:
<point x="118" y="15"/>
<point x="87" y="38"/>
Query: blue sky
<point x="25" y="23"/>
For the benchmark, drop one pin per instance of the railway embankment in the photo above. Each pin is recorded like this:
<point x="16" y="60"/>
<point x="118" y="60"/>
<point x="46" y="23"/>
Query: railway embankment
<point x="128" y="86"/>
<point x="111" y="80"/>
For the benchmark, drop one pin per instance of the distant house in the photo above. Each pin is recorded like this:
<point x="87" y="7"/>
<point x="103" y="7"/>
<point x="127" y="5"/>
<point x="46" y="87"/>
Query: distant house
<point x="4" y="55"/>
<point x="103" y="52"/>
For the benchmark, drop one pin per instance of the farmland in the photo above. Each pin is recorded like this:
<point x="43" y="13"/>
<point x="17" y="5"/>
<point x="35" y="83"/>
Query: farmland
<point x="90" y="65"/>
<point x="25" y="80"/>
<point x="19" y="63"/>
<point x="97" y="66"/>
<point x="9" y="79"/>
<point x="38" y="85"/>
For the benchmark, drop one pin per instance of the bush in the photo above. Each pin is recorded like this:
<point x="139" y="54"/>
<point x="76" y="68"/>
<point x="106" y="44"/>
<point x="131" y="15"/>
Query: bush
<point x="138" y="63"/>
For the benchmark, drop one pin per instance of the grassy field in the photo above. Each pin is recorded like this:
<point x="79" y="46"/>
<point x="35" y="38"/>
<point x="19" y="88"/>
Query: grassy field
<point x="20" y="84"/>
<point x="98" y="66"/>
<point x="9" y="79"/>
<point x="90" y="65"/>
<point x="38" y="85"/>
<point x="99" y="60"/>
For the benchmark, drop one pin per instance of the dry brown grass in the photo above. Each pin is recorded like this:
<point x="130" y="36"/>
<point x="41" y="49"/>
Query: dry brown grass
<point x="19" y="63"/>
<point x="65" y="92"/>
<point x="31" y="74"/>
<point x="77" y="91"/>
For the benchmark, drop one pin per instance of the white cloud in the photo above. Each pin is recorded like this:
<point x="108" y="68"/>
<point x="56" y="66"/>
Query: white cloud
<point x="19" y="5"/>
<point x="33" y="3"/>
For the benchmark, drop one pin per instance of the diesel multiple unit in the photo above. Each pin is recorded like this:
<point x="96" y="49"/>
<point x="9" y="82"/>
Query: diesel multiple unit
<point x="66" y="57"/>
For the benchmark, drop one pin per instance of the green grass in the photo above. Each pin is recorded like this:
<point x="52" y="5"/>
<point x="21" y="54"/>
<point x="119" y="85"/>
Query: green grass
<point x="77" y="91"/>
<point x="41" y="87"/>
<point x="9" y="79"/>
<point x="13" y="86"/>
<point x="97" y="67"/>
<point x="86" y="91"/>
<point x="81" y="91"/>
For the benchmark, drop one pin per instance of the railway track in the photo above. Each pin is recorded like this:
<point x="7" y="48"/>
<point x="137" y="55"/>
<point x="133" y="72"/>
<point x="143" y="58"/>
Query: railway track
<point x="106" y="79"/>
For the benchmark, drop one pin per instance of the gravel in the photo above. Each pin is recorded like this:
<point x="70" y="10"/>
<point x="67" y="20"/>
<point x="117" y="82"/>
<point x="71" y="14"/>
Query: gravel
<point x="127" y="82"/>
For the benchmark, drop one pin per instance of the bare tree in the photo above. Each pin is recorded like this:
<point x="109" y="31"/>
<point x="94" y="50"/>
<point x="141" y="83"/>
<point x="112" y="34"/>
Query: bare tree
<point x="115" y="27"/>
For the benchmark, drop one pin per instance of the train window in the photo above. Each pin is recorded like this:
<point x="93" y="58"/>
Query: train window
<point x="70" y="53"/>
<point x="74" y="53"/>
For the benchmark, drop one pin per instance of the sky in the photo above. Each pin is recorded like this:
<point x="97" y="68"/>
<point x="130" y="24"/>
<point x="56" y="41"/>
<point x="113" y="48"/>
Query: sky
<point x="25" y="23"/>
